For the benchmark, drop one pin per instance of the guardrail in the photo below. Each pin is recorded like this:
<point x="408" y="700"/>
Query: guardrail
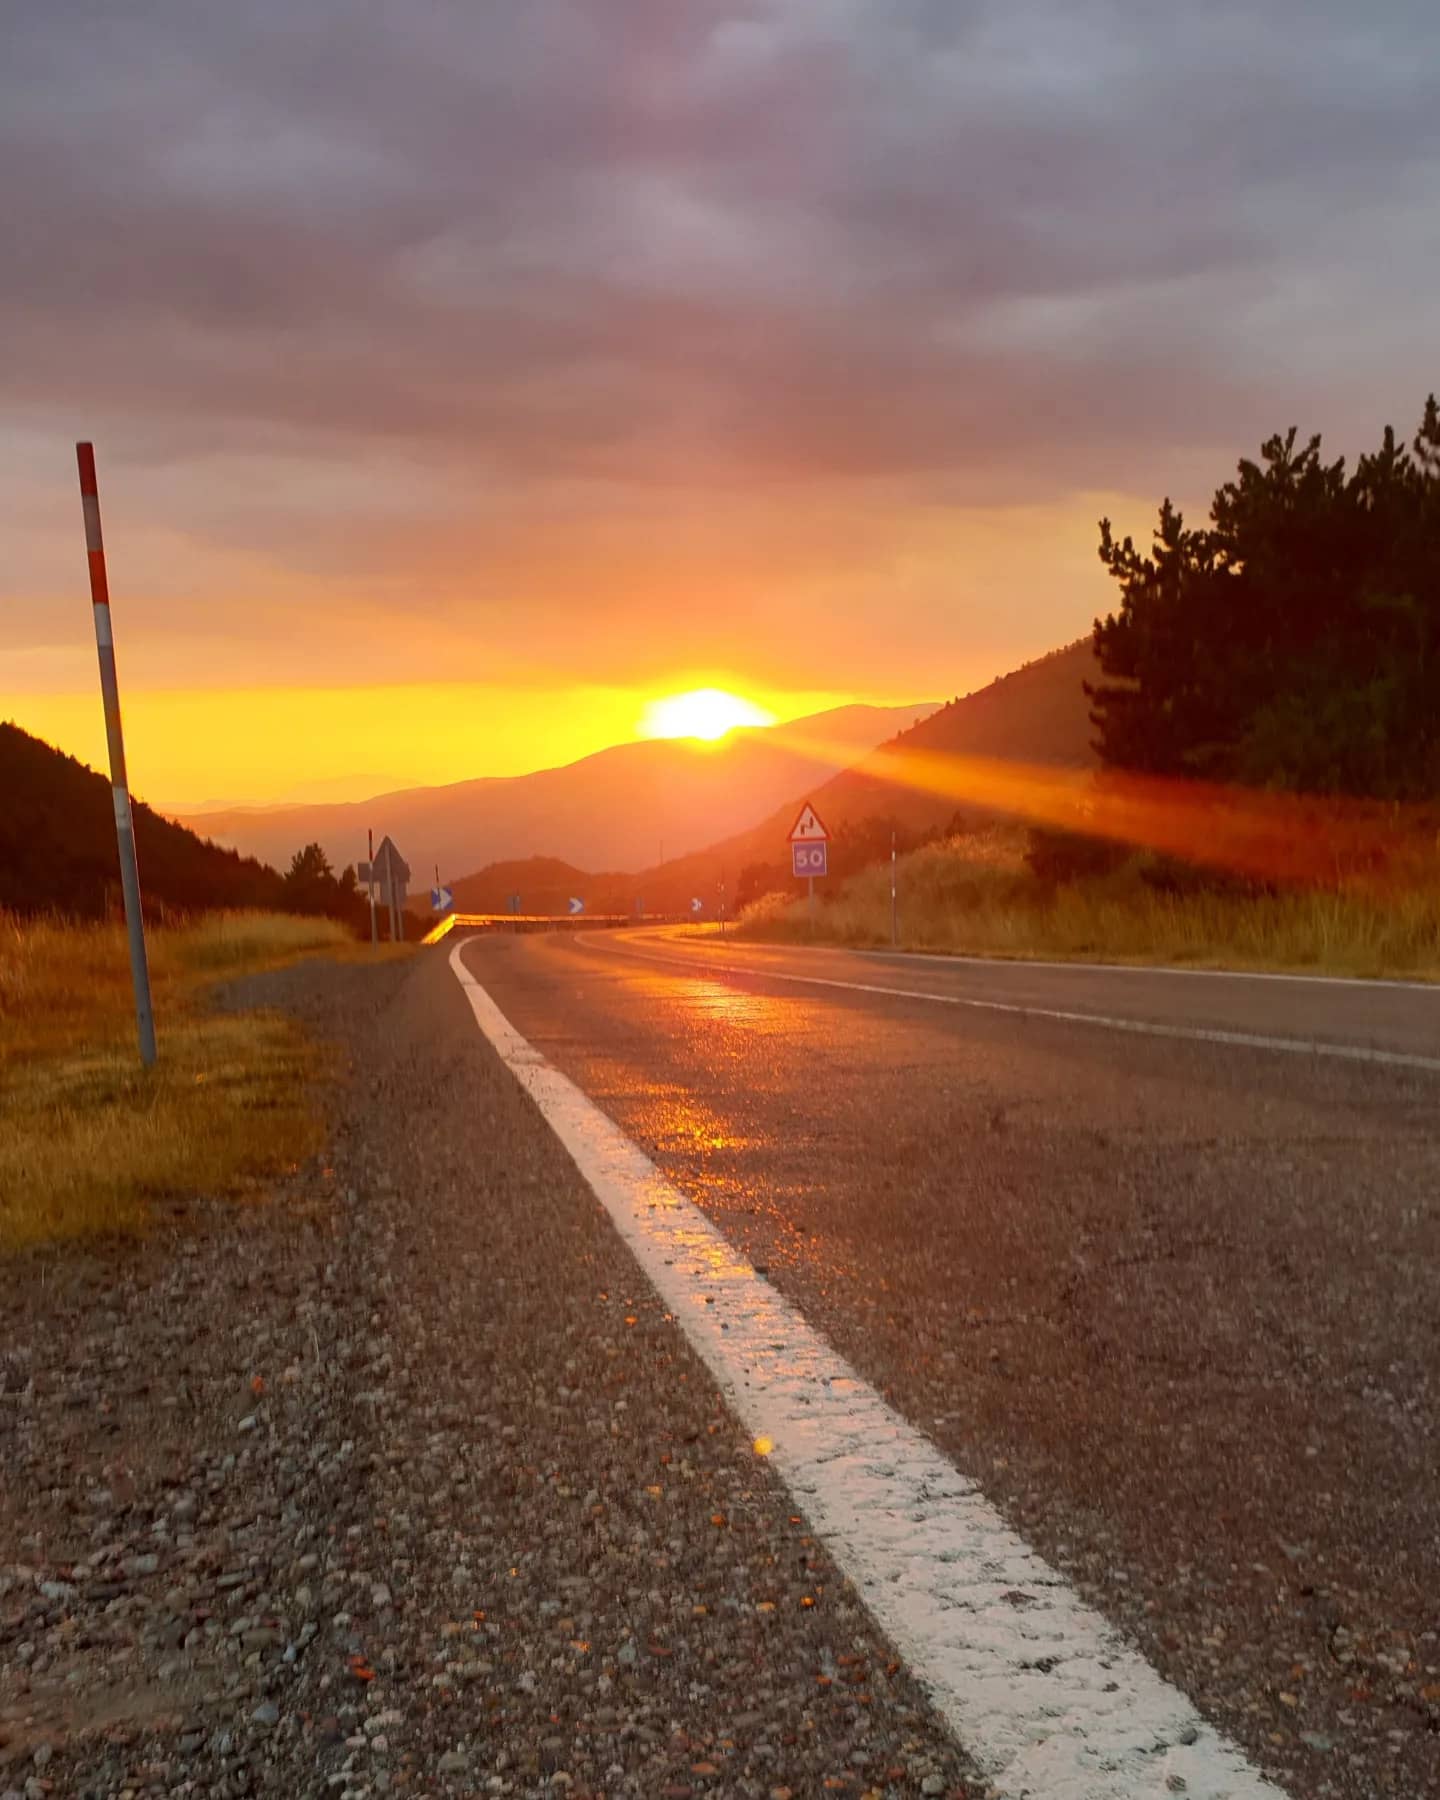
<point x="547" y="922"/>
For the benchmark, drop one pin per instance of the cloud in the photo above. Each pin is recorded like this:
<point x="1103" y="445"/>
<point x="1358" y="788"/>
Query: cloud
<point x="362" y="284"/>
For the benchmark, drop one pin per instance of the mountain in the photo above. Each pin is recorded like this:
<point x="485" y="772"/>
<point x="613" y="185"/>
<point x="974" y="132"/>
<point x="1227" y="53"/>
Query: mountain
<point x="1038" y="714"/>
<point x="58" y="854"/>
<point x="544" y="884"/>
<point x="614" y="809"/>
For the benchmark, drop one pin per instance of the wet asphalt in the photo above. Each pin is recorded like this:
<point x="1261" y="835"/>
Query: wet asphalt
<point x="1172" y="1301"/>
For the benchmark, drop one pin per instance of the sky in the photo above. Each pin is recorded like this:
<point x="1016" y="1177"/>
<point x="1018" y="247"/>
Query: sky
<point x="465" y="376"/>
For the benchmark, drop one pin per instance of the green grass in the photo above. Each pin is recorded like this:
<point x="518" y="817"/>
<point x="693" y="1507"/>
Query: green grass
<point x="90" y="1141"/>
<point x="974" y="895"/>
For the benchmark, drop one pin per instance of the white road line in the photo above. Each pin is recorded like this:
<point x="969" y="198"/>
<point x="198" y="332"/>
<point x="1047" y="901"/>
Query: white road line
<point x="1200" y="1034"/>
<point x="1017" y="963"/>
<point x="1046" y="1696"/>
<point x="953" y="958"/>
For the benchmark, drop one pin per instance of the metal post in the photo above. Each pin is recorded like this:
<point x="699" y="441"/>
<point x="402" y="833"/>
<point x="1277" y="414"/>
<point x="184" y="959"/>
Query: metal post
<point x="810" y="883"/>
<point x="894" y="914"/>
<point x="119" y="782"/>
<point x="374" y="928"/>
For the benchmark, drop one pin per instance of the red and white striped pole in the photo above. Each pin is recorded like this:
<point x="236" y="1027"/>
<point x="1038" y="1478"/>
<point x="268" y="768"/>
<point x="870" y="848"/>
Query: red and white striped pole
<point x="110" y="689"/>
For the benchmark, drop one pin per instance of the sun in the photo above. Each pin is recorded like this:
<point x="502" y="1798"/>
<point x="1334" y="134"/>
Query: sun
<point x="702" y="713"/>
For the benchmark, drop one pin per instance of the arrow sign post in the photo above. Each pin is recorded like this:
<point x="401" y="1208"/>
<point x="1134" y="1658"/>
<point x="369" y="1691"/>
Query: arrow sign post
<point x="441" y="899"/>
<point x="697" y="906"/>
<point x="576" y="906"/>
<point x="809" y="850"/>
<point x="390" y="872"/>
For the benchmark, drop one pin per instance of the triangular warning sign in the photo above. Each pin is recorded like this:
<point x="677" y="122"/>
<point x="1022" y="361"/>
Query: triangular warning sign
<point x="807" y="829"/>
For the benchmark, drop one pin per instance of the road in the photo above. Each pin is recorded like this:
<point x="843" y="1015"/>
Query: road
<point x="1151" y="1255"/>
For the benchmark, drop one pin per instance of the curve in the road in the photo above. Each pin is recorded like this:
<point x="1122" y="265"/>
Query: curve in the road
<point x="1291" y="1046"/>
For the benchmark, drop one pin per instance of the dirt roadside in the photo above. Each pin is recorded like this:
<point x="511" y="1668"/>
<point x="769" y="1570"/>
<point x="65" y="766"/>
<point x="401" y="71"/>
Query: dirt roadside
<point x="404" y="1482"/>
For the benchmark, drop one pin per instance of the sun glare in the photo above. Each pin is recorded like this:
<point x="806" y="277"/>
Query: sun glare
<point x="702" y="713"/>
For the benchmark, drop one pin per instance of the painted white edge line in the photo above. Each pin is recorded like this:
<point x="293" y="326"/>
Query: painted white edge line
<point x="1199" y="1034"/>
<point x="1045" y="1695"/>
<point x="1017" y="964"/>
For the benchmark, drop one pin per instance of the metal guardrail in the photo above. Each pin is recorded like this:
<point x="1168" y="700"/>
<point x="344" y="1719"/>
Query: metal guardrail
<point x="547" y="922"/>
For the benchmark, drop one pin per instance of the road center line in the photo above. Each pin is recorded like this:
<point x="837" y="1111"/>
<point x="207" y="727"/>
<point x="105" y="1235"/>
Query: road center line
<point x="1200" y="1034"/>
<point x="1046" y="1696"/>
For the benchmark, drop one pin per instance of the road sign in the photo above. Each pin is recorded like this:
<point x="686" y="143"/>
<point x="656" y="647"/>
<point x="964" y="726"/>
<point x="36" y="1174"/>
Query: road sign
<point x="391" y="871"/>
<point x="808" y="829"/>
<point x="441" y="899"/>
<point x="514" y="903"/>
<point x="576" y="906"/>
<point x="809" y="860"/>
<point x="697" y="906"/>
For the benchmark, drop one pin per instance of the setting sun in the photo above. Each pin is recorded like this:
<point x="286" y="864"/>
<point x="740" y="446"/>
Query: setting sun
<point x="702" y="713"/>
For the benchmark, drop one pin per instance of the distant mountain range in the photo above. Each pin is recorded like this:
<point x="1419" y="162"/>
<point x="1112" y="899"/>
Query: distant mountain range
<point x="616" y="809"/>
<point x="593" y="829"/>
<point x="1039" y="714"/>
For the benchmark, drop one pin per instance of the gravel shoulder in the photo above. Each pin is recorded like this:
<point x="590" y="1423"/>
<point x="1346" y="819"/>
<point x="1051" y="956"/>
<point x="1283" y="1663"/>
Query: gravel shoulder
<point x="404" y="1482"/>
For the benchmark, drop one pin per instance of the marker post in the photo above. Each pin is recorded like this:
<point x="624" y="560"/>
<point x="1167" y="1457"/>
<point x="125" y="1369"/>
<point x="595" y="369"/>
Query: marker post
<point x="115" y="738"/>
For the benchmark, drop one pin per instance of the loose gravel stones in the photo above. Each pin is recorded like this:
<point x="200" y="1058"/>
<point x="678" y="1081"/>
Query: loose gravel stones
<point x="403" y="1482"/>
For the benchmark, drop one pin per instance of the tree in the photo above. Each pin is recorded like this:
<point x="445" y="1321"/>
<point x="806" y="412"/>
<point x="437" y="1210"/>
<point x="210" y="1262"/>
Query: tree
<point x="310" y="884"/>
<point x="1294" y="641"/>
<point x="308" y="866"/>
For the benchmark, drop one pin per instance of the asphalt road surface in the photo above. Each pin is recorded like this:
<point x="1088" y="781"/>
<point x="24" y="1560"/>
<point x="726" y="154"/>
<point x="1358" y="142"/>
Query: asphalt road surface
<point x="1151" y="1255"/>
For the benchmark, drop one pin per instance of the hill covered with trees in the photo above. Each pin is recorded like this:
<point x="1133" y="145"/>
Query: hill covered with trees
<point x="58" y="853"/>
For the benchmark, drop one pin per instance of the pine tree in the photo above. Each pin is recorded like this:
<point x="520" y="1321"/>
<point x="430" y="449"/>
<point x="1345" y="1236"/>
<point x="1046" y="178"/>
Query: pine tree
<point x="1293" y="642"/>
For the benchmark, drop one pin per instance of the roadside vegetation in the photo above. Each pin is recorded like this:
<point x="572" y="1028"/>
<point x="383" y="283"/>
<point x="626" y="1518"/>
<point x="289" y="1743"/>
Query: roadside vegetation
<point x="91" y="1143"/>
<point x="976" y="893"/>
<point x="1268" y="731"/>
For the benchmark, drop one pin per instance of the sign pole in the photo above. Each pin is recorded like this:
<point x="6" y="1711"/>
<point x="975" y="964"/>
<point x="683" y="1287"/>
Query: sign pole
<point x="119" y="781"/>
<point x="370" y="845"/>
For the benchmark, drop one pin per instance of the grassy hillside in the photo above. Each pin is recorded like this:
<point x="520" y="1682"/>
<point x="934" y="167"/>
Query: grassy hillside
<point x="975" y="894"/>
<point x="58" y="853"/>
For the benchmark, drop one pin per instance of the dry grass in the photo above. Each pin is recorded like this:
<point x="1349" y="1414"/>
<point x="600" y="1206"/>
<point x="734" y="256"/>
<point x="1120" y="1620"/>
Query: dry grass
<point x="974" y="895"/>
<point x="90" y="1141"/>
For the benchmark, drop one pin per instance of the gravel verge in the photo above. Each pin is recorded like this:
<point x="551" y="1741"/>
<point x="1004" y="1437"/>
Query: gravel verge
<point x="404" y="1482"/>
